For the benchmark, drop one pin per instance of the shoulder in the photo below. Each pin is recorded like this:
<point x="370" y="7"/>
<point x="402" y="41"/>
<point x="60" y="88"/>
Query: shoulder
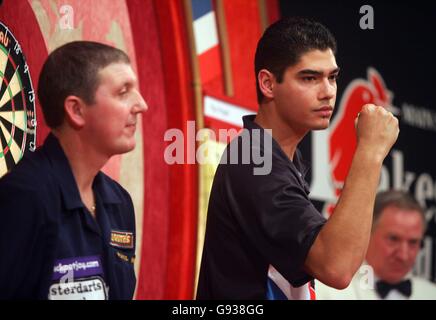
<point x="255" y="161"/>
<point x="423" y="288"/>
<point x="29" y="173"/>
<point x="24" y="199"/>
<point x="28" y="183"/>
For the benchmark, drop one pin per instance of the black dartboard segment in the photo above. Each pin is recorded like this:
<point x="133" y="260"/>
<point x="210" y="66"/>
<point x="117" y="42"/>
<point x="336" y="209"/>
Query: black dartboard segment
<point x="17" y="103"/>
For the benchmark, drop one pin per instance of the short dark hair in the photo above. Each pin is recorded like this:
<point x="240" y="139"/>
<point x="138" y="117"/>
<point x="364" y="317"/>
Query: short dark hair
<point x="398" y="199"/>
<point x="285" y="41"/>
<point x="73" y="69"/>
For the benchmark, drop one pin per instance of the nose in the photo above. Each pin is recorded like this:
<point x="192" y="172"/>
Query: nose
<point x="403" y="252"/>
<point x="140" y="104"/>
<point x="327" y="90"/>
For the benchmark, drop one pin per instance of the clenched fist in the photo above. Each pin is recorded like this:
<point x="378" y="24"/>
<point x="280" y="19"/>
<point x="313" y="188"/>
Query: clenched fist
<point x="377" y="130"/>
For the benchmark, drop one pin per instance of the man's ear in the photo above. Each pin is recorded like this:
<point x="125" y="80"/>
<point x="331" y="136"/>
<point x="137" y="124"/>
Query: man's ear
<point x="266" y="83"/>
<point x="74" y="111"/>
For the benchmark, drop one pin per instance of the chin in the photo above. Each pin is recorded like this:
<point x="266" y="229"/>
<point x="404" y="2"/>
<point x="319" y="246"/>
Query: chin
<point x="321" y="127"/>
<point x="396" y="277"/>
<point x="130" y="147"/>
<point x="127" y="147"/>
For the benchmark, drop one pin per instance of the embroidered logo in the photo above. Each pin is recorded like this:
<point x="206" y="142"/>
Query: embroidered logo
<point x="125" y="257"/>
<point x="122" y="239"/>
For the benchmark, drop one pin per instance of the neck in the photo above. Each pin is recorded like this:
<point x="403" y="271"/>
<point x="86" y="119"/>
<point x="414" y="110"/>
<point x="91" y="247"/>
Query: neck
<point x="286" y="136"/>
<point x="84" y="160"/>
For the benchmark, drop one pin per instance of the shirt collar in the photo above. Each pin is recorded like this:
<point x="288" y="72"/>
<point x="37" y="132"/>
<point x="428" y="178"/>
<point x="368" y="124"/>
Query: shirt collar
<point x="297" y="163"/>
<point x="106" y="192"/>
<point x="65" y="178"/>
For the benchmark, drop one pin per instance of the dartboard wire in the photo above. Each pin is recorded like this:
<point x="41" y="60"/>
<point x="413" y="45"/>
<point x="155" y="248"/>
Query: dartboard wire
<point x="5" y="149"/>
<point x="15" y="86"/>
<point x="3" y="154"/>
<point x="15" y="114"/>
<point x="17" y="148"/>
<point x="12" y="155"/>
<point x="15" y="79"/>
<point x="3" y="166"/>
<point x="13" y="147"/>
<point x="11" y="100"/>
<point x="4" y="63"/>
<point x="19" y="133"/>
<point x="25" y="129"/>
<point x="34" y="123"/>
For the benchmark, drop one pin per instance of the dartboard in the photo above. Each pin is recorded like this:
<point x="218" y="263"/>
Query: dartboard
<point x="17" y="103"/>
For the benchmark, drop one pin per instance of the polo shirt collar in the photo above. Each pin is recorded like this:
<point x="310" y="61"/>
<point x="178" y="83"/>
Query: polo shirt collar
<point x="106" y="193"/>
<point x="67" y="183"/>
<point x="297" y="163"/>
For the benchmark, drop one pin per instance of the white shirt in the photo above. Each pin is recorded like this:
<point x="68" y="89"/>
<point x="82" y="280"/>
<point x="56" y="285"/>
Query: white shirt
<point x="362" y="287"/>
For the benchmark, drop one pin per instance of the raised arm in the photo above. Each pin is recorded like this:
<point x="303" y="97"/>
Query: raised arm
<point x="341" y="245"/>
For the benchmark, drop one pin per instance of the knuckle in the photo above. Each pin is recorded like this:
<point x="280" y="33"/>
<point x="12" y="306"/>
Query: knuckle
<point x="371" y="107"/>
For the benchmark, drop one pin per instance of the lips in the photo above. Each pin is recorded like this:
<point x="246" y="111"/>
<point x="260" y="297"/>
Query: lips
<point x="325" y="108"/>
<point x="131" y="123"/>
<point x="325" y="111"/>
<point x="131" y="126"/>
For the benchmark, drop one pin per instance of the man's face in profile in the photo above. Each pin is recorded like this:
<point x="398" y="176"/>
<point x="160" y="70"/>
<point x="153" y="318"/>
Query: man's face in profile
<point x="112" y="119"/>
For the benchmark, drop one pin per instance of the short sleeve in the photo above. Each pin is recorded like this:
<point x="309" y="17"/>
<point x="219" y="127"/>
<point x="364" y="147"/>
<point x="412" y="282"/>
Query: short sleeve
<point x="275" y="214"/>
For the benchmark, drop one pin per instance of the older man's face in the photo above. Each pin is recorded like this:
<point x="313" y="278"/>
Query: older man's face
<point x="394" y="243"/>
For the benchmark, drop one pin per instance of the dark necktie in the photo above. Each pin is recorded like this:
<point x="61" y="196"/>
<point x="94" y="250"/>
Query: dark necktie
<point x="383" y="288"/>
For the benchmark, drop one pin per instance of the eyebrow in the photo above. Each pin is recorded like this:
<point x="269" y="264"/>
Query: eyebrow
<point x="129" y="83"/>
<point x="317" y="72"/>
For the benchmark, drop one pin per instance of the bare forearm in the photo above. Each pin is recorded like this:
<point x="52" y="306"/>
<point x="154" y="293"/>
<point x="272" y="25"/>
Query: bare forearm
<point x="348" y="230"/>
<point x="341" y="245"/>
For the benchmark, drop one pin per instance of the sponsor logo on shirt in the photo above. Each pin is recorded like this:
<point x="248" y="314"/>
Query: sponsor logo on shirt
<point x="122" y="239"/>
<point x="125" y="257"/>
<point x="78" y="267"/>
<point x="80" y="289"/>
<point x="78" y="278"/>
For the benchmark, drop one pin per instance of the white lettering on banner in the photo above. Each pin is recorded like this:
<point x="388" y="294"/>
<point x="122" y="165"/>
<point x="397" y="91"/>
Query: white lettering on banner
<point x="224" y="111"/>
<point x="423" y="262"/>
<point x="418" y="117"/>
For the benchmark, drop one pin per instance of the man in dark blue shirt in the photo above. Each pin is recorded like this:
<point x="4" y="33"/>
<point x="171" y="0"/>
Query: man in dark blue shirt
<point x="68" y="230"/>
<point x="261" y="224"/>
